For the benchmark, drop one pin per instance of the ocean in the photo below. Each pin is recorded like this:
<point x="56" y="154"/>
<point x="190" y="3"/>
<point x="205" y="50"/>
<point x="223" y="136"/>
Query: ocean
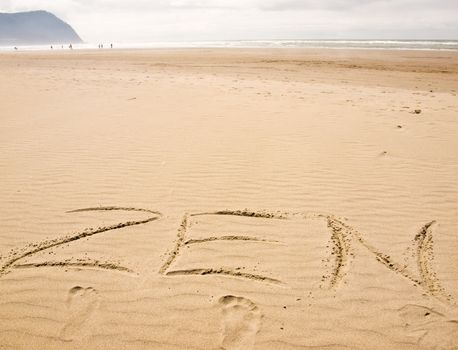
<point x="450" y="45"/>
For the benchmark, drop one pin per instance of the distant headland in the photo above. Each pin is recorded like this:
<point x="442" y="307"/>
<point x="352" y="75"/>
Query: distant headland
<point x="35" y="27"/>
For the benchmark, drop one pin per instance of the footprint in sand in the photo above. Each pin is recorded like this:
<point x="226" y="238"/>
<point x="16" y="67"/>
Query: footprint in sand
<point x="81" y="304"/>
<point x="241" y="322"/>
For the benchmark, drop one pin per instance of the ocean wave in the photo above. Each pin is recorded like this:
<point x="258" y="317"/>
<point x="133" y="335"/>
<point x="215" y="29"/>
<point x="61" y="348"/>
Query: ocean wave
<point x="450" y="45"/>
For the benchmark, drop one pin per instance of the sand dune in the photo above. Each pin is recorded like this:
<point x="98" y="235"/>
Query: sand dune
<point x="229" y="199"/>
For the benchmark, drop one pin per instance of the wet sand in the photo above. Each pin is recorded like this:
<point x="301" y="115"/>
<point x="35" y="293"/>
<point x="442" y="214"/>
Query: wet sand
<point x="226" y="198"/>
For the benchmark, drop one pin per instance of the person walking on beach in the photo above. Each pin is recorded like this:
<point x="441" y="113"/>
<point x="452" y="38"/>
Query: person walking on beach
<point x="70" y="47"/>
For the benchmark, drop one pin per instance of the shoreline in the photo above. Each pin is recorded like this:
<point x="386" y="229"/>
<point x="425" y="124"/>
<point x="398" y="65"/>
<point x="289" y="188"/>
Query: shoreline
<point x="339" y="44"/>
<point x="8" y="49"/>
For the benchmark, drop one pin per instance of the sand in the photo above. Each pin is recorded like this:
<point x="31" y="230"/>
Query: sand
<point x="229" y="199"/>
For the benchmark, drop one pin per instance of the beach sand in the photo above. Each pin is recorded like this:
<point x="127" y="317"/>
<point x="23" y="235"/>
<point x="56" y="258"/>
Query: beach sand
<point x="229" y="199"/>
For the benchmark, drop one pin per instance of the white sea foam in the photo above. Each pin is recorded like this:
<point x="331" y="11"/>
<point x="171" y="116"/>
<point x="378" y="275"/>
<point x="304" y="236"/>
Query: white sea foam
<point x="334" y="44"/>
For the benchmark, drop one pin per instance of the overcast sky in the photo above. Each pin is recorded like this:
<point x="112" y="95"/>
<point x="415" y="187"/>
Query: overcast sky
<point x="182" y="20"/>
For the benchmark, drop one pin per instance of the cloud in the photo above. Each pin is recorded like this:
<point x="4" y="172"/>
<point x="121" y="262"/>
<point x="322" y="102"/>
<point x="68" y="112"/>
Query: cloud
<point x="158" y="5"/>
<point x="332" y="5"/>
